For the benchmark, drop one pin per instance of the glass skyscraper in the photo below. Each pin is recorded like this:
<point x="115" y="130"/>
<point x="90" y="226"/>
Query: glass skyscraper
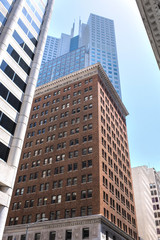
<point x="23" y="32"/>
<point x="97" y="37"/>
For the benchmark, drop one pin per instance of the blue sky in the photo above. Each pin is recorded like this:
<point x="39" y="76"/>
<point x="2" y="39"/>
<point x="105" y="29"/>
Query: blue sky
<point x="139" y="73"/>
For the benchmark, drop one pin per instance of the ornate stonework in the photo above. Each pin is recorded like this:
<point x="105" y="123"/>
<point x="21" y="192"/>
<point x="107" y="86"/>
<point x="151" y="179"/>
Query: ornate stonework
<point x="150" y="12"/>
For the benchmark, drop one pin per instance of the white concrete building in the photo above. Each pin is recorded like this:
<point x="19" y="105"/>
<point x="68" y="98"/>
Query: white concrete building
<point x="150" y="13"/>
<point x="23" y="32"/>
<point x="146" y="185"/>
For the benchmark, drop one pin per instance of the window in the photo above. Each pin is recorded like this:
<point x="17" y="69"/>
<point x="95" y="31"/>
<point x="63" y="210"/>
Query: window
<point x="85" y="233"/>
<point x="10" y="238"/>
<point x="53" y="200"/>
<point x="59" y="198"/>
<point x="83" y="211"/>
<point x="57" y="214"/>
<point x="84" y="179"/>
<point x="74" y="196"/>
<point x="14" y="77"/>
<point x="37" y="236"/>
<point x="83" y="194"/>
<point x="89" y="210"/>
<point x="73" y="212"/>
<point x="89" y="193"/>
<point x="68" y="196"/>
<point x="68" y="234"/>
<point x="18" y="59"/>
<point x="23" y="237"/>
<point x="52" y="235"/>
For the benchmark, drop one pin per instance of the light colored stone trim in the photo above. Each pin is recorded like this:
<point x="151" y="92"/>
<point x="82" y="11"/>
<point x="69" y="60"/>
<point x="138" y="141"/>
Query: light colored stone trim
<point x="81" y="74"/>
<point x="150" y="13"/>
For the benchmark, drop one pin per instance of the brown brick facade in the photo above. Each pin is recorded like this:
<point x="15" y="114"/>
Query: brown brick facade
<point x="75" y="158"/>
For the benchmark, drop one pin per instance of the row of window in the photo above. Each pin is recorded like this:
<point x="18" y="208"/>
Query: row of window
<point x="34" y="10"/>
<point x="61" y="157"/>
<point x="65" y="89"/>
<point x="29" y="18"/>
<point x="53" y="234"/>
<point x="9" y="97"/>
<point x="18" y="59"/>
<point x="27" y="32"/>
<point x="119" y="224"/>
<point x="62" y="124"/>
<point x="13" y="76"/>
<point x="23" y="45"/>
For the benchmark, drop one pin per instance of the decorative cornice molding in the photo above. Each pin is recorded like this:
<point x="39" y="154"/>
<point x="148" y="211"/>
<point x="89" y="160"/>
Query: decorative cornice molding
<point x="63" y="223"/>
<point x="82" y="74"/>
<point x="150" y="13"/>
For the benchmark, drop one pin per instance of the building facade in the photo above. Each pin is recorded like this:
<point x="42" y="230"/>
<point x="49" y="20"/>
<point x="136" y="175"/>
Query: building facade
<point x="98" y="39"/>
<point x="51" y="49"/>
<point x="63" y="65"/>
<point x="23" y="30"/>
<point x="150" y="13"/>
<point x="146" y="185"/>
<point x="75" y="163"/>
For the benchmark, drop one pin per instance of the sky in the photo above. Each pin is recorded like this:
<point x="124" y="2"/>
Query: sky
<point x="139" y="72"/>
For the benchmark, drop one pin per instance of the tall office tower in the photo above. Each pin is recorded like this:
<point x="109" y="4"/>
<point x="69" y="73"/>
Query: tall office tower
<point x="63" y="65"/>
<point x="98" y="38"/>
<point x="102" y="45"/>
<point x="23" y="29"/>
<point x="146" y="185"/>
<point x="75" y="168"/>
<point x="149" y="11"/>
<point x="51" y="49"/>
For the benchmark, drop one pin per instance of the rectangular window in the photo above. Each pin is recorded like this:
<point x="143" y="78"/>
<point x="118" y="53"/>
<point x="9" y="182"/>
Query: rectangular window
<point x="4" y="151"/>
<point x="23" y="44"/>
<point x="68" y="234"/>
<point x="13" y="76"/>
<point x="7" y="123"/>
<point x="37" y="236"/>
<point x="52" y="235"/>
<point x="85" y="233"/>
<point x="18" y="59"/>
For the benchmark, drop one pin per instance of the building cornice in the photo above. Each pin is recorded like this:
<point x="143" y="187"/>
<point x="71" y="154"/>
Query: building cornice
<point x="82" y="74"/>
<point x="150" y="13"/>
<point x="64" y="223"/>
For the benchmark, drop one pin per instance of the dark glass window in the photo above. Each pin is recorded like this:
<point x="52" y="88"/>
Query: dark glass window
<point x="28" y="51"/>
<point x="14" y="102"/>
<point x="52" y="235"/>
<point x="85" y="233"/>
<point x="9" y="97"/>
<point x="7" y="123"/>
<point x="25" y="67"/>
<point x="68" y="234"/>
<point x="3" y="91"/>
<point x="10" y="238"/>
<point x="37" y="236"/>
<point x="27" y="32"/>
<point x="13" y="53"/>
<point x="32" y="38"/>
<point x="19" y="82"/>
<point x="23" y="237"/>
<point x="18" y="59"/>
<point x="4" y="151"/>
<point x="23" y="45"/>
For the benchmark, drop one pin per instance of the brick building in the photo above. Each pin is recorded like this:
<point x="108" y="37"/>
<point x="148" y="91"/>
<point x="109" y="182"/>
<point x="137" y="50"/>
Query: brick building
<point x="75" y="164"/>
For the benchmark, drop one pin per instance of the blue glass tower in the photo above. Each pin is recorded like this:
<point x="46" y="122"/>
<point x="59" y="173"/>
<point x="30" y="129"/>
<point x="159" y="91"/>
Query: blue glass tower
<point x="97" y="39"/>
